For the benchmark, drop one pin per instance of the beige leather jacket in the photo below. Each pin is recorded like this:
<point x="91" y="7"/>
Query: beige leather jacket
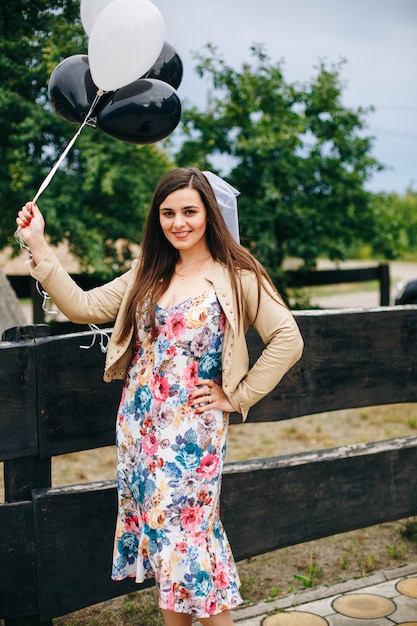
<point x="243" y="386"/>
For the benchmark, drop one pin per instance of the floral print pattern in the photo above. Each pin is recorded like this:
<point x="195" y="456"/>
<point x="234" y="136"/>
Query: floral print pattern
<point x="170" y="462"/>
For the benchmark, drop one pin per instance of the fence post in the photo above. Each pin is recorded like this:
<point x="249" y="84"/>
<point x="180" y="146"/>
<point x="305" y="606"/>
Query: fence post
<point x="23" y="475"/>
<point x="384" y="284"/>
<point x="37" y="301"/>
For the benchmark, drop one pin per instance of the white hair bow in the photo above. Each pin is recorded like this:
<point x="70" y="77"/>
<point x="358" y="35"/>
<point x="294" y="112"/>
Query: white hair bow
<point x="226" y="197"/>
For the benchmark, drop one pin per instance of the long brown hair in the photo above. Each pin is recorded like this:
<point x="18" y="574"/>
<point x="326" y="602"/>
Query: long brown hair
<point x="159" y="257"/>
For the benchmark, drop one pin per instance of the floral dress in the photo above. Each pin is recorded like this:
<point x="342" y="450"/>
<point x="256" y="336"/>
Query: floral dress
<point x="170" y="461"/>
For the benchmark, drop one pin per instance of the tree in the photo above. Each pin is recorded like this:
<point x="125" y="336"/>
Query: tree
<point x="27" y="126"/>
<point x="299" y="156"/>
<point x="101" y="193"/>
<point x="405" y="210"/>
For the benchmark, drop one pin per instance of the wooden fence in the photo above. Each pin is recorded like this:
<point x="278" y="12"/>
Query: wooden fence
<point x="56" y="542"/>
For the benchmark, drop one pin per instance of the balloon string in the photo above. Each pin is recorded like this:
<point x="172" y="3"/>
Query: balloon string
<point x="49" y="177"/>
<point x="51" y="174"/>
<point x="45" y="296"/>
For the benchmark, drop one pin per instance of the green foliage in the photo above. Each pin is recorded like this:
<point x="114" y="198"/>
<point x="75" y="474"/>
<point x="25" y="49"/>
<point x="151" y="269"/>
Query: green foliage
<point x="299" y="156"/>
<point x="410" y="530"/>
<point x="405" y="210"/>
<point x="308" y="580"/>
<point x="27" y="128"/>
<point x="396" y="552"/>
<point x="101" y="194"/>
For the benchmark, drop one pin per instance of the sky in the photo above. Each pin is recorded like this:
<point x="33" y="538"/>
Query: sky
<point x="377" y="38"/>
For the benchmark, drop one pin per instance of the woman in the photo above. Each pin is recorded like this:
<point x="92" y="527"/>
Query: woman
<point x="180" y="317"/>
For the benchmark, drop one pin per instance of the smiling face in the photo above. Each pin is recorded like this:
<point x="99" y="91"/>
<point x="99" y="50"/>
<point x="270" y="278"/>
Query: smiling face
<point x="183" y="219"/>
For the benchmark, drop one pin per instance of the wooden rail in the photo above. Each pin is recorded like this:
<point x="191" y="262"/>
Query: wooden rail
<point x="299" y="278"/>
<point x="56" y="542"/>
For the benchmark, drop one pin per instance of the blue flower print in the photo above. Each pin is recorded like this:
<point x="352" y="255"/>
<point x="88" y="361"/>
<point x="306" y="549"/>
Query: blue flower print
<point x="162" y="345"/>
<point x="210" y="365"/>
<point x="127" y="547"/>
<point x="143" y="398"/>
<point x="141" y="485"/>
<point x="189" y="456"/>
<point x="173" y="472"/>
<point x="178" y="496"/>
<point x="190" y="436"/>
<point x="203" y="584"/>
<point x="157" y="538"/>
<point x="137" y="485"/>
<point x="216" y="343"/>
<point x="150" y="487"/>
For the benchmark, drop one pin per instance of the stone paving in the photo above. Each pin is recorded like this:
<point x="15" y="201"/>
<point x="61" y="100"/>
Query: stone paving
<point x="386" y="598"/>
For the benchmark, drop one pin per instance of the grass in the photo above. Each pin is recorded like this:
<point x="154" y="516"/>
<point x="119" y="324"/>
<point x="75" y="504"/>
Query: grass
<point x="323" y="291"/>
<point x="324" y="430"/>
<point x="410" y="531"/>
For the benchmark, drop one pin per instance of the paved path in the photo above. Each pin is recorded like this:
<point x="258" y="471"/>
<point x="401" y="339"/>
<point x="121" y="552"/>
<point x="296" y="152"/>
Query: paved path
<point x="386" y="598"/>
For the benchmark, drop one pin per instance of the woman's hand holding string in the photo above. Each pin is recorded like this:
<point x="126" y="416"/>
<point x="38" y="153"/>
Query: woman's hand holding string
<point x="31" y="228"/>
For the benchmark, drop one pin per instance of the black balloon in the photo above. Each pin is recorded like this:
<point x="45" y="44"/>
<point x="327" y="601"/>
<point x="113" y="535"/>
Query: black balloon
<point x="143" y="112"/>
<point x="71" y="89"/>
<point x="167" y="67"/>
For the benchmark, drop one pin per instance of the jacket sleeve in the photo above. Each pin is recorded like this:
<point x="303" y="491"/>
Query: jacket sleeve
<point x="95" y="306"/>
<point x="282" y="340"/>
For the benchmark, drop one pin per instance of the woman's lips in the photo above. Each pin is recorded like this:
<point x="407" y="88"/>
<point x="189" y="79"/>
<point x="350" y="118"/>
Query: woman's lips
<point x="182" y="234"/>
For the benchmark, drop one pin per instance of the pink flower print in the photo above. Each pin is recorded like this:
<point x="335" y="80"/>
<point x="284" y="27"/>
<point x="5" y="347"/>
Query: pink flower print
<point x="171" y="599"/>
<point x="209" y="467"/>
<point x="191" y="518"/>
<point x="150" y="444"/>
<point x="174" y="326"/>
<point x="181" y="547"/>
<point x="222" y="576"/>
<point x="172" y="351"/>
<point x="199" y="539"/>
<point x="132" y="523"/>
<point x="222" y="323"/>
<point x="160" y="388"/>
<point x="210" y="604"/>
<point x="190" y="374"/>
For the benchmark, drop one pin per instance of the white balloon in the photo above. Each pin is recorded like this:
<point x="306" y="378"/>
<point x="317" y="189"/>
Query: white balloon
<point x="125" y="41"/>
<point x="89" y="10"/>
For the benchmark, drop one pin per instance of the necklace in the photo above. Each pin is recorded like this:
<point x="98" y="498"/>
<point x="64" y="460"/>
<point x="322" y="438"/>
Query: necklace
<point x="196" y="269"/>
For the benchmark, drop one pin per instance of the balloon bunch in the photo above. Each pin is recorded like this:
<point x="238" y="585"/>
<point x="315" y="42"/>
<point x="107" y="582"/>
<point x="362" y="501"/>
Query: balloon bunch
<point x="126" y="85"/>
